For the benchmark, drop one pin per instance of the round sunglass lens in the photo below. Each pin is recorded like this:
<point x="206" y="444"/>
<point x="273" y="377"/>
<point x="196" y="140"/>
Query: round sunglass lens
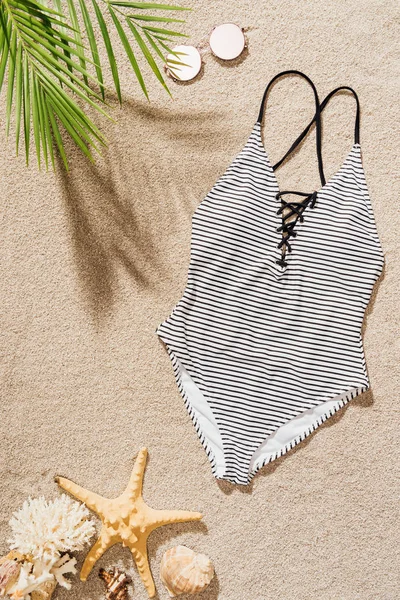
<point x="190" y="60"/>
<point x="227" y="41"/>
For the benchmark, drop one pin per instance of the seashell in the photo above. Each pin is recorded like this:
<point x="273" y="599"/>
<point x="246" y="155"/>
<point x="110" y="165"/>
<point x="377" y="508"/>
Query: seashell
<point x="183" y="571"/>
<point x="45" y="591"/>
<point x="116" y="583"/>
<point x="9" y="573"/>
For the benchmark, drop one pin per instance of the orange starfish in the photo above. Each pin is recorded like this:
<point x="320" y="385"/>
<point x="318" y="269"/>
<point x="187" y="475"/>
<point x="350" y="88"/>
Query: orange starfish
<point x="127" y="520"/>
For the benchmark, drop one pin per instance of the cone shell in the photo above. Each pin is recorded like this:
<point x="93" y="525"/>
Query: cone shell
<point x="183" y="571"/>
<point x="9" y="572"/>
<point x="45" y="591"/>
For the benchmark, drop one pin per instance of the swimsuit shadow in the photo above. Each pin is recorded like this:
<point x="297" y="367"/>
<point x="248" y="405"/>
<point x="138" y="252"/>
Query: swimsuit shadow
<point x="121" y="209"/>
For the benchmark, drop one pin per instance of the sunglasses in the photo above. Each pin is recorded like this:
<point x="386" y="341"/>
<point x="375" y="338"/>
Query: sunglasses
<point x="226" y="42"/>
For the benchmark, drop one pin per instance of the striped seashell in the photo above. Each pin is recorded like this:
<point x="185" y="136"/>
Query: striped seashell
<point x="9" y="572"/>
<point x="183" y="571"/>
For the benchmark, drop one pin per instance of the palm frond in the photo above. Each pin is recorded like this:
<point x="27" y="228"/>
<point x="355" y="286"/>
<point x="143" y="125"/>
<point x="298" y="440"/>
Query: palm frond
<point x="153" y="44"/>
<point x="26" y="106"/>
<point x="151" y="18"/>
<point x="78" y="37"/>
<point x="67" y="39"/>
<point x="144" y="34"/>
<point x="147" y="54"/>
<point x="128" y="50"/>
<point x="167" y="32"/>
<point x="5" y="44"/>
<point x="56" y="133"/>
<point x="35" y="115"/>
<point x="37" y="10"/>
<point x="93" y="44"/>
<point x="12" y="50"/>
<point x="36" y="56"/>
<point x="51" y="78"/>
<point x="148" y="5"/>
<point x="109" y="48"/>
<point x="18" y="94"/>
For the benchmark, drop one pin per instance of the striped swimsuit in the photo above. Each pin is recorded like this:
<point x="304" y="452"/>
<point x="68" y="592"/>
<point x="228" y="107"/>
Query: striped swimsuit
<point x="266" y="341"/>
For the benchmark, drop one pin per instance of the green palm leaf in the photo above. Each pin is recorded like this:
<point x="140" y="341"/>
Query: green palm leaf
<point x="47" y="126"/>
<point x="109" y="48"/>
<point x="147" y="54"/>
<point x="78" y="37"/>
<point x="33" y="6"/>
<point x="36" y="10"/>
<point x="26" y="106"/>
<point x="154" y="45"/>
<point x="52" y="78"/>
<point x="68" y="40"/>
<point x="35" y="116"/>
<point x="11" y="74"/>
<point x="166" y="32"/>
<point x="128" y="50"/>
<point x="5" y="42"/>
<point x="92" y="44"/>
<point x="56" y="133"/>
<point x="34" y="63"/>
<point x="155" y="19"/>
<point x="50" y="42"/>
<point x="18" y="93"/>
<point x="148" y="6"/>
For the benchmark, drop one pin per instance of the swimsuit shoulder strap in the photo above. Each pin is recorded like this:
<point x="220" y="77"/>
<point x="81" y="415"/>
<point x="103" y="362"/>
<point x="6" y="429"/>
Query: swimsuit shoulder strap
<point x="317" y="117"/>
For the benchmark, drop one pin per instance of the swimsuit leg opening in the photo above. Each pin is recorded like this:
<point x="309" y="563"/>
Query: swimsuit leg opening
<point x="297" y="429"/>
<point x="201" y="414"/>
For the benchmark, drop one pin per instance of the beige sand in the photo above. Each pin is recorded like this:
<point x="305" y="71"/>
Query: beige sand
<point x="93" y="261"/>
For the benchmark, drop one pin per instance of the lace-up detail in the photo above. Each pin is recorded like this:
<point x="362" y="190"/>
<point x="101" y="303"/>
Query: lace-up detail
<point x="294" y="213"/>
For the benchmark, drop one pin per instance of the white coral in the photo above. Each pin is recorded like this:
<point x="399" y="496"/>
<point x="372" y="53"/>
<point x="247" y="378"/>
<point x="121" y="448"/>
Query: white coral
<point x="64" y="565"/>
<point x="33" y="575"/>
<point x="44" y="528"/>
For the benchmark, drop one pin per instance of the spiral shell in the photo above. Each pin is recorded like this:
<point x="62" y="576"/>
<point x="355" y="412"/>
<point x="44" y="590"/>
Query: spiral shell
<point x="185" y="572"/>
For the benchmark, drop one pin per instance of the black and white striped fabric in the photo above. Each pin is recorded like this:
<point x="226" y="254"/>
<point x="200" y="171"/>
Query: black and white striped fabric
<point x="266" y="342"/>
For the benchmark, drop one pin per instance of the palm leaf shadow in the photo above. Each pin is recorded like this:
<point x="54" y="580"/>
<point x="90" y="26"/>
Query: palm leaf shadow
<point x="123" y="210"/>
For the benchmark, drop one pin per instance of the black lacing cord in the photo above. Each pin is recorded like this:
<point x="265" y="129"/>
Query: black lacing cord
<point x="294" y="213"/>
<point x="294" y="210"/>
<point x="297" y="208"/>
